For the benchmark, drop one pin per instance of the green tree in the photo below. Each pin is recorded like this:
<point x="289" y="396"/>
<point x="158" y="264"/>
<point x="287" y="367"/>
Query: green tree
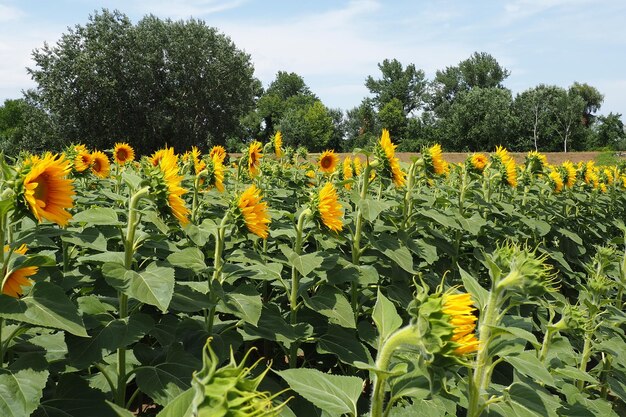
<point x="593" y="101"/>
<point x="407" y="85"/>
<point x="156" y="82"/>
<point x="310" y="126"/>
<point x="535" y="111"/>
<point x="479" y="119"/>
<point x="361" y="125"/>
<point x="568" y="116"/>
<point x="481" y="70"/>
<point x="610" y="131"/>
<point x="392" y="118"/>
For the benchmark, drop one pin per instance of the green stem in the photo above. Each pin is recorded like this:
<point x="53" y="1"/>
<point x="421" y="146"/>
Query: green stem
<point x="479" y="381"/>
<point x="1" y="343"/>
<point x="406" y="335"/>
<point x="586" y="354"/>
<point x="462" y="192"/>
<point x="218" y="264"/>
<point x="408" y="196"/>
<point x="356" y="241"/>
<point x="295" y="286"/>
<point x="129" y="251"/>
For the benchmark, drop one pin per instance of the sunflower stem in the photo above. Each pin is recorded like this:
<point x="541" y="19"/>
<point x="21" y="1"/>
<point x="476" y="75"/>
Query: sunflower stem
<point x="295" y="286"/>
<point x="479" y="380"/>
<point x="356" y="241"/>
<point x="406" y="335"/>
<point x="129" y="251"/>
<point x="218" y="264"/>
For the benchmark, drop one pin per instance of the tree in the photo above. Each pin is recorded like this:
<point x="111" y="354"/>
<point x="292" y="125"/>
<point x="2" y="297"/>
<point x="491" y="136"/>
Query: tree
<point x="407" y="85"/>
<point x="25" y="127"/>
<point x="593" y="101"/>
<point x="153" y="83"/>
<point x="392" y="118"/>
<point x="481" y="70"/>
<point x="479" y="119"/>
<point x="362" y="126"/>
<point x="609" y="131"/>
<point x="535" y="111"/>
<point x="310" y="126"/>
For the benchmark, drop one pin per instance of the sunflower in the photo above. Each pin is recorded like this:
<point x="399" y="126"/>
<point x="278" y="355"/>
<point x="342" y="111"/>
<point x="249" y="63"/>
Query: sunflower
<point x="254" y="211"/>
<point x="83" y="160"/>
<point x="101" y="166"/>
<point x="155" y="159"/>
<point x="218" y="152"/>
<point x="278" y="144"/>
<point x="328" y="161"/>
<point x="198" y="163"/>
<point x="557" y="180"/>
<point x="348" y="171"/>
<point x="385" y="152"/>
<point x="16" y="280"/>
<point x="535" y="161"/>
<point x="168" y="165"/>
<point x="477" y="162"/>
<point x="459" y="309"/>
<point x="47" y="192"/>
<point x="216" y="174"/>
<point x="123" y="153"/>
<point x="434" y="162"/>
<point x="358" y="166"/>
<point x="570" y="173"/>
<point x="329" y="208"/>
<point x="507" y="166"/>
<point x="254" y="158"/>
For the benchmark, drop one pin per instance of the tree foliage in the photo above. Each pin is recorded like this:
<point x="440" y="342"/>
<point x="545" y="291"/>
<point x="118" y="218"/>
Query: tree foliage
<point x="154" y="83"/>
<point x="406" y="85"/>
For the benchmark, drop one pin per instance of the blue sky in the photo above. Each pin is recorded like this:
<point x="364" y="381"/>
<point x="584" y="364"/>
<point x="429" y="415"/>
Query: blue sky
<point x="335" y="45"/>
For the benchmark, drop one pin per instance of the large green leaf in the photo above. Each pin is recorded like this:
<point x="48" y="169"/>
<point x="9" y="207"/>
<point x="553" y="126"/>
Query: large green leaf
<point x="189" y="258"/>
<point x="332" y="303"/>
<point x="385" y="317"/>
<point x="97" y="216"/>
<point x="21" y="391"/>
<point x="345" y="344"/>
<point x="181" y="406"/>
<point x="527" y="363"/>
<point x="472" y="286"/>
<point x="392" y="247"/>
<point x="115" y="334"/>
<point x="244" y="302"/>
<point x="72" y="397"/>
<point x="153" y="286"/>
<point x="45" y="306"/>
<point x="165" y="381"/>
<point x="335" y="394"/>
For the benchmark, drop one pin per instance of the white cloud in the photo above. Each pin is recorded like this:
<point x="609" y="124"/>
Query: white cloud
<point x="9" y="13"/>
<point x="186" y="8"/>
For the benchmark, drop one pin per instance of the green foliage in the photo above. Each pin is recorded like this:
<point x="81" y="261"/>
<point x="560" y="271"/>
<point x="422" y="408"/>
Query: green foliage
<point x="148" y="84"/>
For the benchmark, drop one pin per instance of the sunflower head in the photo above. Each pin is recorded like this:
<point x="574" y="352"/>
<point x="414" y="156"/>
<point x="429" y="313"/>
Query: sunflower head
<point x="556" y="180"/>
<point x="327" y="207"/>
<point x="83" y="161"/>
<point x="347" y="171"/>
<point x="535" y="162"/>
<point x="15" y="281"/>
<point x="252" y="213"/>
<point x="388" y="163"/>
<point x="215" y="174"/>
<point x="446" y="322"/>
<point x="101" y="165"/>
<point x="155" y="158"/>
<point x="278" y="144"/>
<point x="123" y="153"/>
<point x="506" y="165"/>
<point x="434" y="163"/>
<point x="254" y="156"/>
<point x="218" y="152"/>
<point x="44" y="189"/>
<point x="568" y="172"/>
<point x="166" y="186"/>
<point x="328" y="161"/>
<point x="477" y="162"/>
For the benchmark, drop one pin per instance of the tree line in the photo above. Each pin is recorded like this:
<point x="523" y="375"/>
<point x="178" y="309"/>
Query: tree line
<point x="183" y="83"/>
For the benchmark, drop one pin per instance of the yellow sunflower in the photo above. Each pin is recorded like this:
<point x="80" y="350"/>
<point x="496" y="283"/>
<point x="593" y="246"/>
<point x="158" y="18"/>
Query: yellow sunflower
<point x="570" y="177"/>
<point x="216" y="174"/>
<point x="358" y="166"/>
<point x="278" y="144"/>
<point x="348" y="171"/>
<point x="218" y="152"/>
<point x="478" y="162"/>
<point x="101" y="166"/>
<point x="198" y="163"/>
<point x="123" y="153"/>
<point x="254" y="212"/>
<point x="459" y="309"/>
<point x="47" y="191"/>
<point x="328" y="161"/>
<point x="83" y="160"/>
<point x="329" y="208"/>
<point x="535" y="161"/>
<point x="168" y="164"/>
<point x="390" y="164"/>
<point x="254" y="158"/>
<point x="155" y="159"/>
<point x="507" y="165"/>
<point x="13" y="284"/>
<point x="433" y="158"/>
<point x="557" y="180"/>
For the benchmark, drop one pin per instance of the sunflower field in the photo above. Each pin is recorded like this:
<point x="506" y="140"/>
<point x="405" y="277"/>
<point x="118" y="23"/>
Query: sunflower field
<point x="275" y="284"/>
